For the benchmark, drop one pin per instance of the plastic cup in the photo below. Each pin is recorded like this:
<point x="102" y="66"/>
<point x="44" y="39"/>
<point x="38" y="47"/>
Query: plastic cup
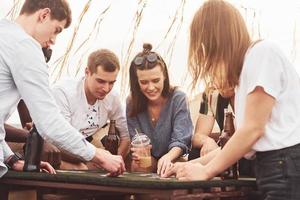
<point x="141" y="143"/>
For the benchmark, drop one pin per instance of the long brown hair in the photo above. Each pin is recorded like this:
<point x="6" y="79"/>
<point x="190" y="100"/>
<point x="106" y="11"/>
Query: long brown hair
<point x="138" y="102"/>
<point x="219" y="40"/>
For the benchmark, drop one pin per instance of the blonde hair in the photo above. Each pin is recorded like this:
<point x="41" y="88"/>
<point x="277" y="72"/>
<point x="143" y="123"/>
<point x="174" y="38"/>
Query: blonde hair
<point x="219" y="40"/>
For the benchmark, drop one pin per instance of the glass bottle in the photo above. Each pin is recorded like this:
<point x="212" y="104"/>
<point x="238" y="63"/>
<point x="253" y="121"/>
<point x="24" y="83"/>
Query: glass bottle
<point x="33" y="150"/>
<point x="228" y="131"/>
<point x="112" y="140"/>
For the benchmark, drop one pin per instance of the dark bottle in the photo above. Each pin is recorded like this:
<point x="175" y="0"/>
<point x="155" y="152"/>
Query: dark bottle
<point x="111" y="142"/>
<point x="228" y="131"/>
<point x="33" y="150"/>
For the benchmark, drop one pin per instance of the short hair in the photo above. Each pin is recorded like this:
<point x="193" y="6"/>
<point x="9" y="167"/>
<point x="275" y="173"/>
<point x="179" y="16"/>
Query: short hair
<point x="60" y="9"/>
<point x="104" y="58"/>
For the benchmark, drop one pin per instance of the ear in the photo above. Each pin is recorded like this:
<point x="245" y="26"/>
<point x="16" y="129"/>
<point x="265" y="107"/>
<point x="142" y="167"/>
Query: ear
<point x="44" y="14"/>
<point x="87" y="71"/>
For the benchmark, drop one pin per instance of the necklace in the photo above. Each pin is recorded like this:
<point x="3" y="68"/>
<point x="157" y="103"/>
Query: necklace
<point x="153" y="115"/>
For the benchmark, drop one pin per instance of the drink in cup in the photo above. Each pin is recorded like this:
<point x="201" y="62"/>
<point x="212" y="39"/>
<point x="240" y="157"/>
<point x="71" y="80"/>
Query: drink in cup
<point x="141" y="143"/>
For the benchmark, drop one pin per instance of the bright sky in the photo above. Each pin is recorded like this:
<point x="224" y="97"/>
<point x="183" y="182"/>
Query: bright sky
<point x="277" y="20"/>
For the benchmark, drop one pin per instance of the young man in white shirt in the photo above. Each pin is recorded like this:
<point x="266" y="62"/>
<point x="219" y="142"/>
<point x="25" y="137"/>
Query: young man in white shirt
<point x="24" y="74"/>
<point x="89" y="102"/>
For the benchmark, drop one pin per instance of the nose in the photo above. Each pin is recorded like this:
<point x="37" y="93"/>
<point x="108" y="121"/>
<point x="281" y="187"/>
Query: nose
<point x="52" y="40"/>
<point x="106" y="87"/>
<point x="151" y="86"/>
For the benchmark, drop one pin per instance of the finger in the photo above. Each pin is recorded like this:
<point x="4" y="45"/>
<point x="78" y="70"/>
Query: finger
<point x="159" y="164"/>
<point x="135" y="156"/>
<point x="183" y="179"/>
<point x="173" y="170"/>
<point x="169" y="166"/>
<point x="164" y="167"/>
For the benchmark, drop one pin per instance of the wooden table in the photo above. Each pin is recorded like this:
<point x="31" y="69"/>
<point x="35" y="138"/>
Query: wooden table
<point x="90" y="184"/>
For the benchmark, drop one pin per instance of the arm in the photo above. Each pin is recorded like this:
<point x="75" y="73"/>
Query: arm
<point x="32" y="81"/>
<point x="258" y="109"/>
<point x="24" y="113"/>
<point x="182" y="128"/>
<point x="124" y="147"/>
<point x="15" y="134"/>
<point x="119" y="114"/>
<point x="201" y="137"/>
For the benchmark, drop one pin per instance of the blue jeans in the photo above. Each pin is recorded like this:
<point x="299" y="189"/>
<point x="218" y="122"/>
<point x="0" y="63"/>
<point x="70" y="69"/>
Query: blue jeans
<point x="278" y="173"/>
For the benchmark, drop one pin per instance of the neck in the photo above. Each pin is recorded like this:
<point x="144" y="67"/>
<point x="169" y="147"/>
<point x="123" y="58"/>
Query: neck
<point x="157" y="103"/>
<point x="27" y="23"/>
<point x="89" y="97"/>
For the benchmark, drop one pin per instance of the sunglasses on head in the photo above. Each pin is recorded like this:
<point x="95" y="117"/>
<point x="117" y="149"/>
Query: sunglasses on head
<point x="151" y="57"/>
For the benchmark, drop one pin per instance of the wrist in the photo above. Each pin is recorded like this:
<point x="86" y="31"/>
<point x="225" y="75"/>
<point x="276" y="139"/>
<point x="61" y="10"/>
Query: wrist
<point x="12" y="160"/>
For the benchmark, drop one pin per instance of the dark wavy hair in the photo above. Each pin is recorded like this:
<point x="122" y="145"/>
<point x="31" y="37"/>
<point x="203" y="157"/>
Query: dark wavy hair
<point x="138" y="100"/>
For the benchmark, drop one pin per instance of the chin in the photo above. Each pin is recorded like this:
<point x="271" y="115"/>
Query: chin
<point x="153" y="98"/>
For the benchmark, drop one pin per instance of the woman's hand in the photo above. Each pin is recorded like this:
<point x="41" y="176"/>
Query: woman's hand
<point x="164" y="164"/>
<point x="45" y="166"/>
<point x="191" y="172"/>
<point x="173" y="169"/>
<point x="208" y="146"/>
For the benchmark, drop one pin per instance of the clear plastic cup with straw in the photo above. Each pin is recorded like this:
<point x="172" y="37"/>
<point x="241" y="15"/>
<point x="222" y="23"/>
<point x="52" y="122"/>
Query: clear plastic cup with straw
<point x="141" y="143"/>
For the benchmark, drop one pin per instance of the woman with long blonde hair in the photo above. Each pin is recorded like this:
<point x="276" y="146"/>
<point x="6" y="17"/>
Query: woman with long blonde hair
<point x="266" y="87"/>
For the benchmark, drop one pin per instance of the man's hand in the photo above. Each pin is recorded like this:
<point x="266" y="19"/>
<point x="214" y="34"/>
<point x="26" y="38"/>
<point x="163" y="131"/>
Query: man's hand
<point x="114" y="164"/>
<point x="208" y="146"/>
<point x="51" y="154"/>
<point x="45" y="166"/>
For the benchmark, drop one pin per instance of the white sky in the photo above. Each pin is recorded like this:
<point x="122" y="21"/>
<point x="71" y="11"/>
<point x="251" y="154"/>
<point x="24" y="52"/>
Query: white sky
<point x="277" y="20"/>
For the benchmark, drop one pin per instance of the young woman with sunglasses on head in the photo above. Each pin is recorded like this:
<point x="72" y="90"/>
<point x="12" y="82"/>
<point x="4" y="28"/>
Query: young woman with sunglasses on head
<point x="157" y="109"/>
<point x="266" y="105"/>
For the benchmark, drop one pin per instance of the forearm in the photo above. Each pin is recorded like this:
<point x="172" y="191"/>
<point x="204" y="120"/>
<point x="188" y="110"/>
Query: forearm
<point x="124" y="147"/>
<point x="15" y="134"/>
<point x="206" y="158"/>
<point x="239" y="144"/>
<point x="174" y="153"/>
<point x="198" y="140"/>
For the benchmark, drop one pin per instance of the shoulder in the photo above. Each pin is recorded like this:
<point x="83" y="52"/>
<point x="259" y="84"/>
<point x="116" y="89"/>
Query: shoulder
<point x="264" y="48"/>
<point x="70" y="86"/>
<point x="112" y="96"/>
<point x="178" y="95"/>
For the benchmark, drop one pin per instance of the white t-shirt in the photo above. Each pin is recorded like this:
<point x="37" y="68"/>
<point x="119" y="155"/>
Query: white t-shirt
<point x="70" y="97"/>
<point x="266" y="66"/>
<point x="24" y="74"/>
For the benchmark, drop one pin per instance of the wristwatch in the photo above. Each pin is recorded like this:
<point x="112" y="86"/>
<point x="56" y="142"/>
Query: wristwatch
<point x="13" y="160"/>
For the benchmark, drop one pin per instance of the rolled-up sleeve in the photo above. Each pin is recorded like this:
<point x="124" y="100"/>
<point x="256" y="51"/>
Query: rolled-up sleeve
<point x="182" y="125"/>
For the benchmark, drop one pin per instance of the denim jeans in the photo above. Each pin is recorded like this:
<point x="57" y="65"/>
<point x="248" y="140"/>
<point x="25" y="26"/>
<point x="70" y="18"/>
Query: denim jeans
<point x="278" y="173"/>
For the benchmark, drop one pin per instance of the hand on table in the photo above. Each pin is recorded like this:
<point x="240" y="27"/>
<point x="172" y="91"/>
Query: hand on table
<point x="191" y="172"/>
<point x="208" y="146"/>
<point x="164" y="164"/>
<point x="45" y="166"/>
<point x="51" y="154"/>
<point x="173" y="169"/>
<point x="114" y="164"/>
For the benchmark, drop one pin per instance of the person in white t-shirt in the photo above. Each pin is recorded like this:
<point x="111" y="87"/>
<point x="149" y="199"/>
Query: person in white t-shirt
<point x="88" y="103"/>
<point x="267" y="109"/>
<point x="24" y="75"/>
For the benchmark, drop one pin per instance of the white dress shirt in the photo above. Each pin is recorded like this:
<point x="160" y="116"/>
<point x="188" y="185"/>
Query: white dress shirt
<point x="71" y="98"/>
<point x="24" y="74"/>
